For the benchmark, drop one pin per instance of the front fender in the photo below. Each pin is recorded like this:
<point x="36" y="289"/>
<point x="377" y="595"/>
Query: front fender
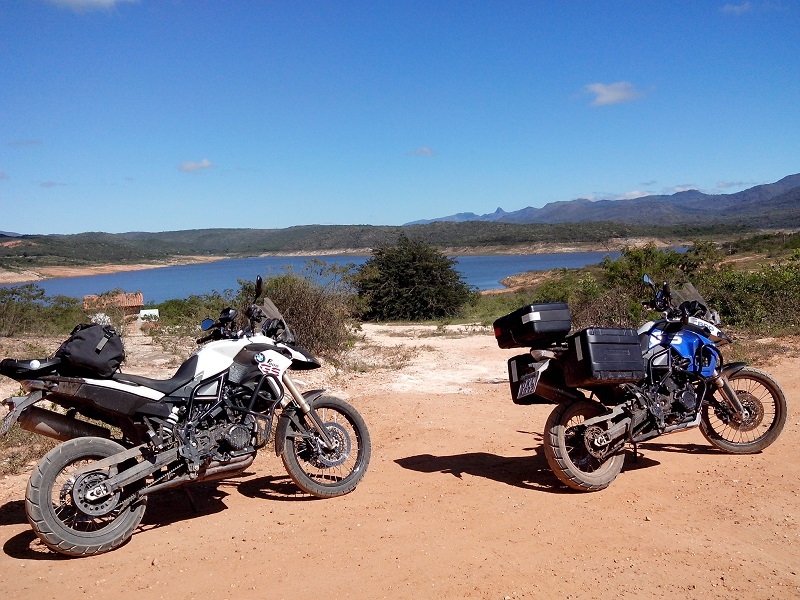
<point x="732" y="368"/>
<point x="291" y="414"/>
<point x="288" y="416"/>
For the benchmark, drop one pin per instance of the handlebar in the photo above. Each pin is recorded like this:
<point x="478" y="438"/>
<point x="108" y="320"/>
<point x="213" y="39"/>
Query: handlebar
<point x="275" y="328"/>
<point x="662" y="302"/>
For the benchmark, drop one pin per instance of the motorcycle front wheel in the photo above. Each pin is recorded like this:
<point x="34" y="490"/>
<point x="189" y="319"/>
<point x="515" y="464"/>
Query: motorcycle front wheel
<point x="567" y="453"/>
<point x="59" y="506"/>
<point x="765" y="417"/>
<point x="324" y="472"/>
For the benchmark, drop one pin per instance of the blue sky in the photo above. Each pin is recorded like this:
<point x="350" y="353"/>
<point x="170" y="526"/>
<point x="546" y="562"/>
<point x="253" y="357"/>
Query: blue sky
<point x="158" y="115"/>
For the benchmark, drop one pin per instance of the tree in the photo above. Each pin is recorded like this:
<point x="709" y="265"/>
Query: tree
<point x="410" y="281"/>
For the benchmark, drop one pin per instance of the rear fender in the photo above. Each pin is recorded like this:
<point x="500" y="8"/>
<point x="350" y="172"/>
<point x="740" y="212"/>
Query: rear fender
<point x="16" y="406"/>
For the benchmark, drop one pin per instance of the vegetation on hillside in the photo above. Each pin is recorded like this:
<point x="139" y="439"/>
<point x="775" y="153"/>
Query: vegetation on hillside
<point x="762" y="298"/>
<point x="32" y="251"/>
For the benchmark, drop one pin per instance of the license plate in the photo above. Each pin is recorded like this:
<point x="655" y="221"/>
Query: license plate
<point x="527" y="384"/>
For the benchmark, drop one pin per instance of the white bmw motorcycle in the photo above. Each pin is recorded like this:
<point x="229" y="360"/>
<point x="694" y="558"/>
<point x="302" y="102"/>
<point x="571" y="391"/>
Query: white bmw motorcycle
<point x="88" y="494"/>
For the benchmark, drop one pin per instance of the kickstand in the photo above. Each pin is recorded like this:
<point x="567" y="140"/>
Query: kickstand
<point x="189" y="498"/>
<point x="635" y="453"/>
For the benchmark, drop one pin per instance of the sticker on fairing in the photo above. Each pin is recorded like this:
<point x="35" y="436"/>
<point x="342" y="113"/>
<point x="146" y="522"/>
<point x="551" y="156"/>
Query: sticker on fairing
<point x="269" y="368"/>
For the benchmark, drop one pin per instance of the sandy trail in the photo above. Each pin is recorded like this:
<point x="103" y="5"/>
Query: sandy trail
<point x="458" y="503"/>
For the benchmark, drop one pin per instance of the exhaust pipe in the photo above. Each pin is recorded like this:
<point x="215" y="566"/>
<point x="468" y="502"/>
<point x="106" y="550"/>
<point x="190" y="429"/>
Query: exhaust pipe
<point x="57" y="426"/>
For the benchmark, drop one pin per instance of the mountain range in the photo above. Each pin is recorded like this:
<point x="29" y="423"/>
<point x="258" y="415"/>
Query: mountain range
<point x="771" y="205"/>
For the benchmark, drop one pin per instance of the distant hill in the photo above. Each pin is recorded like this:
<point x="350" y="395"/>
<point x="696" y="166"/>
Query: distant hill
<point x="677" y="218"/>
<point x="770" y="205"/>
<point x="31" y="251"/>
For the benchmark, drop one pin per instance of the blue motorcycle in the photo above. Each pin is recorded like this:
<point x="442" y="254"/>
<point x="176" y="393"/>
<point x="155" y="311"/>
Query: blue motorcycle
<point x="616" y="386"/>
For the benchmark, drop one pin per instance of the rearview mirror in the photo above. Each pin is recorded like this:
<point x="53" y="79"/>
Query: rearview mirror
<point x="207" y="324"/>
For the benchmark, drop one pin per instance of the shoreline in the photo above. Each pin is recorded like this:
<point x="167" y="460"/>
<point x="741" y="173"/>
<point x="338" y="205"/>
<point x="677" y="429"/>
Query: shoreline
<point x="57" y="272"/>
<point x="8" y="277"/>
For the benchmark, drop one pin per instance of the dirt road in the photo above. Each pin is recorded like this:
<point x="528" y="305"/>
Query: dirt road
<point x="458" y="503"/>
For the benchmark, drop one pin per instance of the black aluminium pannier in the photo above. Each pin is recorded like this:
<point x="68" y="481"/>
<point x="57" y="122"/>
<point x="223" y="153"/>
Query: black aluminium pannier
<point x="91" y="350"/>
<point x="602" y="356"/>
<point x="533" y="326"/>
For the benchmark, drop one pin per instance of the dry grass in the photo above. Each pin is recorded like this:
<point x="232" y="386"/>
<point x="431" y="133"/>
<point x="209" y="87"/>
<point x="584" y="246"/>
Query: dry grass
<point x="760" y="351"/>
<point x="444" y="330"/>
<point x="20" y="450"/>
<point x="365" y="357"/>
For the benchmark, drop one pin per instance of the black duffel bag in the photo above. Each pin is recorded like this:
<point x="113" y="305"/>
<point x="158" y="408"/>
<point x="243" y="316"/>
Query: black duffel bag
<point x="91" y="350"/>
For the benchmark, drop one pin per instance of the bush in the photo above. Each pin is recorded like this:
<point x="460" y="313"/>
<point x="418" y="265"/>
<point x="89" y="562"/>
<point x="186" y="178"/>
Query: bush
<point x="189" y="312"/>
<point x="317" y="304"/>
<point x="756" y="302"/>
<point x="764" y="300"/>
<point x="411" y="281"/>
<point x="25" y="309"/>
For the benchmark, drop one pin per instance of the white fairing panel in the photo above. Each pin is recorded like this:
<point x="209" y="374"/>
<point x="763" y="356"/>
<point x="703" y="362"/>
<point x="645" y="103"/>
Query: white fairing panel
<point x="138" y="390"/>
<point x="215" y="357"/>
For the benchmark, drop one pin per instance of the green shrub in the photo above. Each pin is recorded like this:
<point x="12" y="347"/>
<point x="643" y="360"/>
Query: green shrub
<point x="411" y="281"/>
<point x="765" y="300"/>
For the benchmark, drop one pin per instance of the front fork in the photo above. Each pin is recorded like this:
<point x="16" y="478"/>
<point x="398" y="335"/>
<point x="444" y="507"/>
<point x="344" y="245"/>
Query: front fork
<point x="303" y="402"/>
<point x="726" y="390"/>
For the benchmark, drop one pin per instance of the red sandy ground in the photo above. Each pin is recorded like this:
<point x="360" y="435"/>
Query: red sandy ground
<point x="458" y="503"/>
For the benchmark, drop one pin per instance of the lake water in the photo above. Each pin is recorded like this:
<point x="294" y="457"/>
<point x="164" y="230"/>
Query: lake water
<point x="157" y="285"/>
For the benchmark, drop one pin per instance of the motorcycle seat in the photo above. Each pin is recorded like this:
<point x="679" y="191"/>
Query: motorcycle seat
<point x="183" y="375"/>
<point x="26" y="369"/>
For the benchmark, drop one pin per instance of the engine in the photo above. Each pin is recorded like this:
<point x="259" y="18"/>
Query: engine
<point x="678" y="401"/>
<point x="216" y="431"/>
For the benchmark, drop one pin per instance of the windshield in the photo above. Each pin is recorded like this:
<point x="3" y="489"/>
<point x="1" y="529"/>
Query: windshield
<point x="686" y="293"/>
<point x="271" y="311"/>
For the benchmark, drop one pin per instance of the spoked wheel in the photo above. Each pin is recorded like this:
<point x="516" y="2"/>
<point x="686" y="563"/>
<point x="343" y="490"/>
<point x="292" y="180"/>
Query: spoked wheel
<point x="325" y="472"/>
<point x="567" y="448"/>
<point x="65" y="509"/>
<point x="763" y="419"/>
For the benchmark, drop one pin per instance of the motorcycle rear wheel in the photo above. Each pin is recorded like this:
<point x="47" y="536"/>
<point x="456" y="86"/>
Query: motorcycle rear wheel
<point x="566" y="451"/>
<point x="50" y="502"/>
<point x="766" y="404"/>
<point x="328" y="473"/>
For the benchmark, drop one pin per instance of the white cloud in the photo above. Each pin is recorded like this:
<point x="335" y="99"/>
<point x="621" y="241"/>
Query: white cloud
<point x="423" y="151"/>
<point x="595" y="196"/>
<point x="724" y="185"/>
<point x="737" y="9"/>
<point x="84" y="5"/>
<point x="634" y="194"/>
<point x="613" y="93"/>
<point x="191" y="166"/>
